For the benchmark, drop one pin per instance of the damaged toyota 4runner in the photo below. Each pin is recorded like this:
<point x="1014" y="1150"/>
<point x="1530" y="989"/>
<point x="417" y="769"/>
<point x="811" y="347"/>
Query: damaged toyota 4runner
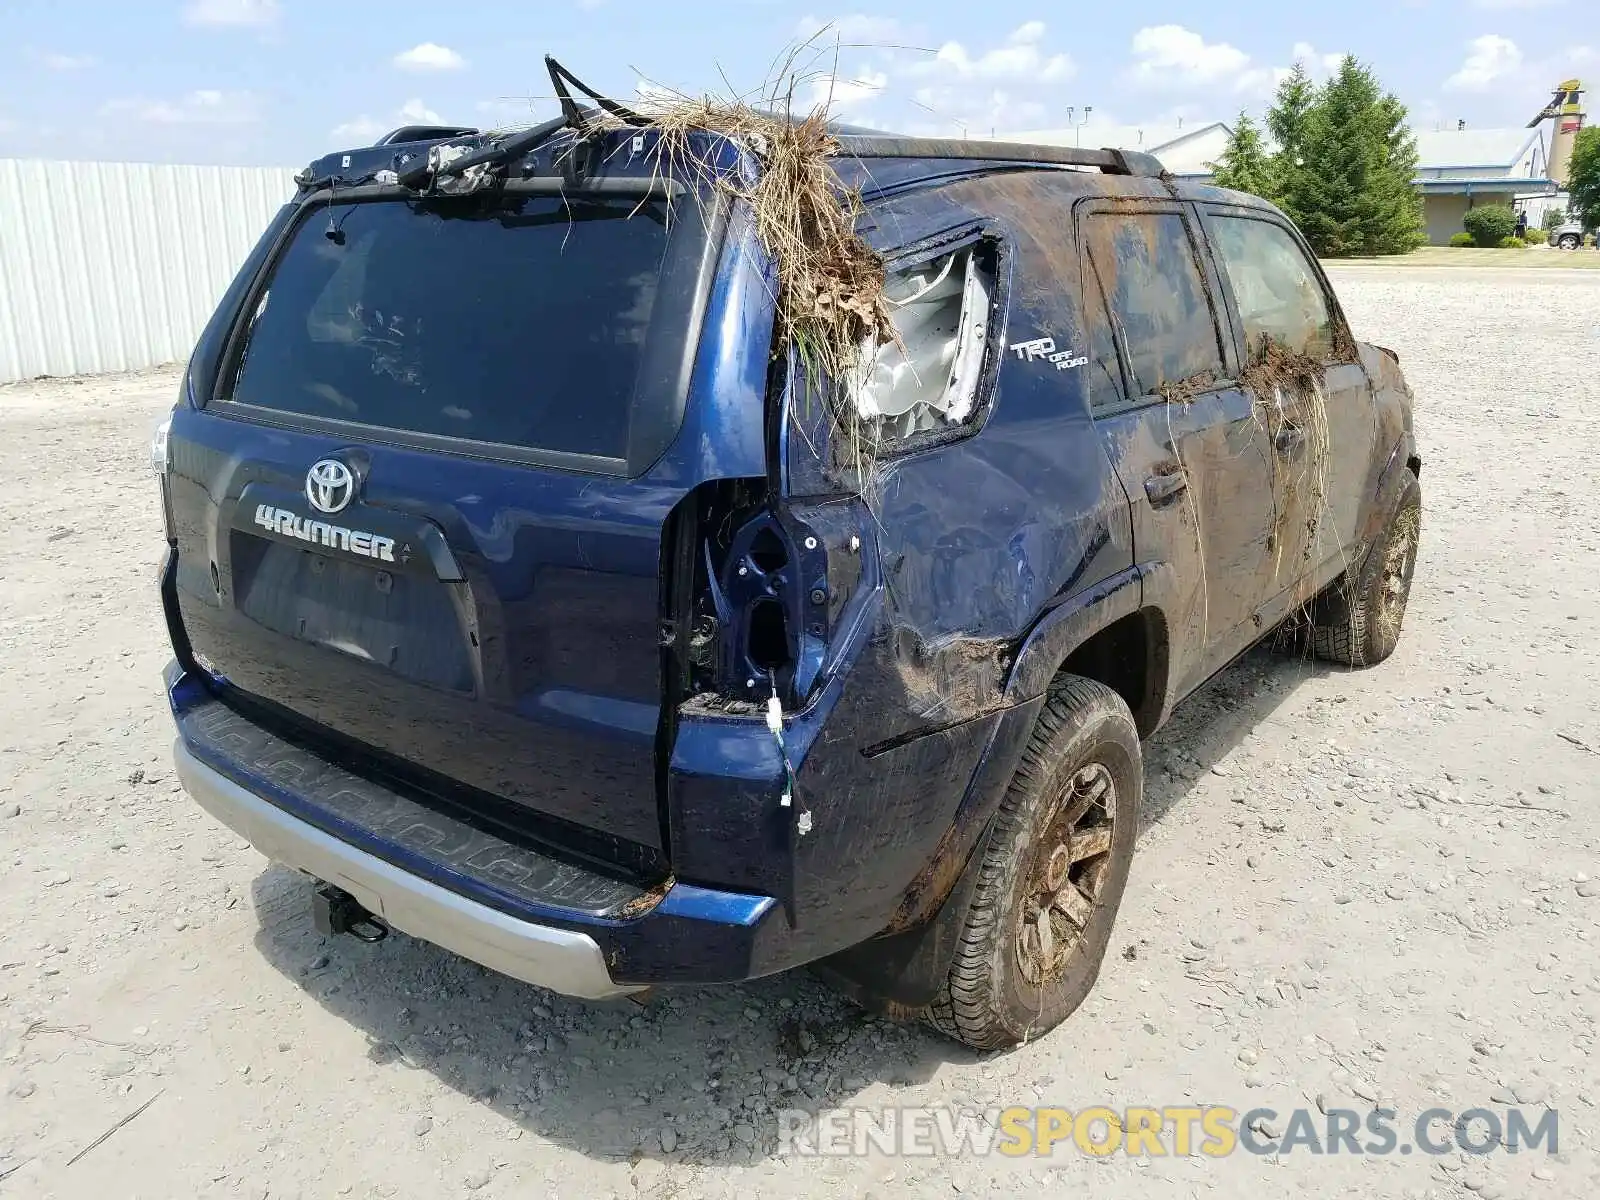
<point x="530" y="590"/>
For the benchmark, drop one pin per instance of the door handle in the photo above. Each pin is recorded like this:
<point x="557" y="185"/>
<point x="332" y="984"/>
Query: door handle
<point x="1289" y="439"/>
<point x="1160" y="488"/>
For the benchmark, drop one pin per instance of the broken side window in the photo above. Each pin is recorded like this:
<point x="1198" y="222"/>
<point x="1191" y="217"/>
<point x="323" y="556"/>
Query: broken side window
<point x="929" y="382"/>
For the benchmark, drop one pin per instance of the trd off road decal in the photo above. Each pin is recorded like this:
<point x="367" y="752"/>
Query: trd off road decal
<point x="1045" y="348"/>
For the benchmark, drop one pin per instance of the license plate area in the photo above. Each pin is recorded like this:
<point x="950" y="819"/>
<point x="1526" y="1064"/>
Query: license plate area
<point x="402" y="622"/>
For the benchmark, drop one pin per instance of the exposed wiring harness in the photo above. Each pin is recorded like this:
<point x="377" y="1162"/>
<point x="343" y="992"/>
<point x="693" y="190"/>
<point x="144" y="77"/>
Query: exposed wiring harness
<point x="802" y="824"/>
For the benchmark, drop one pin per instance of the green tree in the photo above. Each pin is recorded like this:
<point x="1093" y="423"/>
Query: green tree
<point x="1286" y="122"/>
<point x="1583" y="177"/>
<point x="1245" y="166"/>
<point x="1396" y="227"/>
<point x="1350" y="188"/>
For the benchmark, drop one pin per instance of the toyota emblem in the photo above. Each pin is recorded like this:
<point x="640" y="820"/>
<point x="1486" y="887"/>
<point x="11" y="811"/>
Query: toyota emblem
<point x="329" y="485"/>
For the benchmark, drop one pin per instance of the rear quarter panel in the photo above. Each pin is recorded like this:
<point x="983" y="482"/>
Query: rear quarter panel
<point x="975" y="541"/>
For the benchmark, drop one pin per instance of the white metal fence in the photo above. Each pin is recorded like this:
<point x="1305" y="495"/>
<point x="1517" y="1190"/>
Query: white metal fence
<point x="112" y="266"/>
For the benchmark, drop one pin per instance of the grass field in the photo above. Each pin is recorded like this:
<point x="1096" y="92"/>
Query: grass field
<point x="1467" y="256"/>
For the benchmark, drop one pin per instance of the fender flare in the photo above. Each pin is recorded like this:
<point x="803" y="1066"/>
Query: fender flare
<point x="900" y="972"/>
<point x="1068" y="625"/>
<point x="1387" y="493"/>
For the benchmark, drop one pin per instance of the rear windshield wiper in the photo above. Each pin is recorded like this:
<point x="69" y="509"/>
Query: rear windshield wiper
<point x="434" y="167"/>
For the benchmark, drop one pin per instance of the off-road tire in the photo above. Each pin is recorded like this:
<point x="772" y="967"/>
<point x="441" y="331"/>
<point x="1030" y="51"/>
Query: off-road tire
<point x="987" y="1001"/>
<point x="1570" y="241"/>
<point x="1357" y="620"/>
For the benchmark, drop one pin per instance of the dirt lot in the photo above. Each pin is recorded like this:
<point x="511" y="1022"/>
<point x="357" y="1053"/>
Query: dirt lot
<point x="1353" y="888"/>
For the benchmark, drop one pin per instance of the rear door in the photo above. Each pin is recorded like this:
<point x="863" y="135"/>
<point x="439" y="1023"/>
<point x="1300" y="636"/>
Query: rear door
<point x="421" y="515"/>
<point x="1324" y="437"/>
<point x="1178" y="428"/>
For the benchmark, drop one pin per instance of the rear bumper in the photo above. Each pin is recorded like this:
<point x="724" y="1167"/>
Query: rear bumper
<point x="437" y="874"/>
<point x="560" y="959"/>
<point x="762" y="901"/>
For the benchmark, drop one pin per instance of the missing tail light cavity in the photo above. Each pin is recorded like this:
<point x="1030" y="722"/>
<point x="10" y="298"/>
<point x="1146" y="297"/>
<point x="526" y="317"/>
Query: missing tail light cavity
<point x="769" y="637"/>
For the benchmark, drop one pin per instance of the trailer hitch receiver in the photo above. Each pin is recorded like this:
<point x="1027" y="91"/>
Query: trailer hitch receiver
<point x="334" y="910"/>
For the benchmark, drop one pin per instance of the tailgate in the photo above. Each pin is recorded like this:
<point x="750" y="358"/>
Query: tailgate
<point x="421" y="514"/>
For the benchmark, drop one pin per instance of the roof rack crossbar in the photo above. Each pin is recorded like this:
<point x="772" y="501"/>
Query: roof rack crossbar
<point x="1112" y="162"/>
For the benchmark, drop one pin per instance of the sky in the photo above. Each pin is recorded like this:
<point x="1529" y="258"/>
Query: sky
<point x="278" y="82"/>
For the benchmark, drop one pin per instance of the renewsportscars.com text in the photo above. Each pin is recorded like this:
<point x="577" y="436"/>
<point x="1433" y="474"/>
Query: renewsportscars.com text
<point x="1213" y="1131"/>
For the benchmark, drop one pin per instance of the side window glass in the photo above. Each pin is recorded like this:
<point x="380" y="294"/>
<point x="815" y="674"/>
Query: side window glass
<point x="1105" y="372"/>
<point x="1279" y="296"/>
<point x="929" y="381"/>
<point x="1156" y="300"/>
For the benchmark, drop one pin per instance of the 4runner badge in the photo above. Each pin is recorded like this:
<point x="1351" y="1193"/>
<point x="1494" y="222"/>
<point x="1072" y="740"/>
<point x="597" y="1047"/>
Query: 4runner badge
<point x="286" y="523"/>
<point x="1045" y="348"/>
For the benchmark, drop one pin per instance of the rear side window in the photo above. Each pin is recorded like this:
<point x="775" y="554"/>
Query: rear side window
<point x="1278" y="294"/>
<point x="928" y="383"/>
<point x="521" y="321"/>
<point x="1156" y="303"/>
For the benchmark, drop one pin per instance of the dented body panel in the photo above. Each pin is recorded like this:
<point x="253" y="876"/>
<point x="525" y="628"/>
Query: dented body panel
<point x="899" y="611"/>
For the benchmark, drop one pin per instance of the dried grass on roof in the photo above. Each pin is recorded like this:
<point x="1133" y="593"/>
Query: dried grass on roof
<point x="830" y="283"/>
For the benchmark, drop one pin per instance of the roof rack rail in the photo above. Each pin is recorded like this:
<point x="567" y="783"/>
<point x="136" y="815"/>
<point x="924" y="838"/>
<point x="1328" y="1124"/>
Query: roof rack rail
<point x="1112" y="162"/>
<point x="423" y="133"/>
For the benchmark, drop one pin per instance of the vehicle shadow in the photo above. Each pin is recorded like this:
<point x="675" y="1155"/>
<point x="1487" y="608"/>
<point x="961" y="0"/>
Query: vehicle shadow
<point x="696" y="1075"/>
<point x="1211" y="723"/>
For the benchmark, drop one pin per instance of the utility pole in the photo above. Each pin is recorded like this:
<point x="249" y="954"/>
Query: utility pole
<point x="1077" y="126"/>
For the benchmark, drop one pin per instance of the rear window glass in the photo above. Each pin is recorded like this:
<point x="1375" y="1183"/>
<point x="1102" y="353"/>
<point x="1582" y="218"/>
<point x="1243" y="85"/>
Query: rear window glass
<point x="520" y="321"/>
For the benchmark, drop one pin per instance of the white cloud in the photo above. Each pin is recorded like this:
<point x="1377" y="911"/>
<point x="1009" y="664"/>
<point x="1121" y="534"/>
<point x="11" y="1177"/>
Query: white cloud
<point x="1017" y="60"/>
<point x="429" y="56"/>
<point x="207" y="106"/>
<point x="1317" y="65"/>
<point x="505" y="111"/>
<point x="358" y="131"/>
<point x="1172" y="57"/>
<point x="977" y="114"/>
<point x="68" y="62"/>
<point x="1491" y="58"/>
<point x="983" y="90"/>
<point x="250" y="13"/>
<point x="840" y="92"/>
<point x="415" y="112"/>
<point x="1171" y="54"/>
<point x="363" y="129"/>
<point x="1262" y="81"/>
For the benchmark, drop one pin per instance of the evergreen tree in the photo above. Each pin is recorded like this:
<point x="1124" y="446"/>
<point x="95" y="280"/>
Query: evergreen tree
<point x="1286" y="121"/>
<point x="1397" y="227"/>
<point x="1245" y="165"/>
<point x="1350" y="189"/>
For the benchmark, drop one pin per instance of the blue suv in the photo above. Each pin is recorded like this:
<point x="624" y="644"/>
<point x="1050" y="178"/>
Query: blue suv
<point x="524" y="594"/>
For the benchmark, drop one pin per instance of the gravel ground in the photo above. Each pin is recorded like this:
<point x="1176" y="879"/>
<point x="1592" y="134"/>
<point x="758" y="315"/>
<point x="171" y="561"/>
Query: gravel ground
<point x="1353" y="887"/>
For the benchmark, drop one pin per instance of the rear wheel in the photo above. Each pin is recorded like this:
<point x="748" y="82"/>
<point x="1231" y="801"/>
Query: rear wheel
<point x="1570" y="241"/>
<point x="1357" y="620"/>
<point x="1052" y="874"/>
